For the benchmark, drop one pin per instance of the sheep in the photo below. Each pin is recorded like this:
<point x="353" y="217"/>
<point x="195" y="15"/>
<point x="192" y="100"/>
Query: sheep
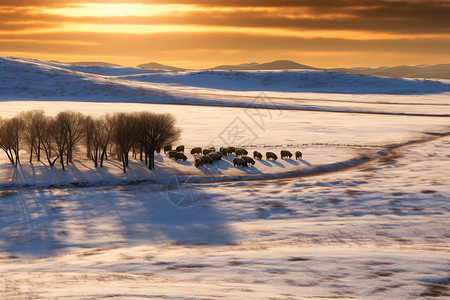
<point x="285" y="153"/>
<point x="241" y="151"/>
<point x="206" y="151"/>
<point x="216" y="156"/>
<point x="207" y="160"/>
<point x="271" y="155"/>
<point x="167" y="148"/>
<point x="298" y="154"/>
<point x="249" y="160"/>
<point x="240" y="162"/>
<point x="172" y="154"/>
<point x="231" y="150"/>
<point x="198" y="162"/>
<point x="224" y="151"/>
<point x="257" y="155"/>
<point x="180" y="148"/>
<point x="180" y="156"/>
<point x="196" y="150"/>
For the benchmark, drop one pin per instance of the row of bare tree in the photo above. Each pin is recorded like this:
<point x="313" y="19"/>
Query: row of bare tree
<point x="58" y="138"/>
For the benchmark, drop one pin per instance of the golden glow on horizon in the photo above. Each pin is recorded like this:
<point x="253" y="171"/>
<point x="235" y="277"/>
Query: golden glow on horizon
<point x="200" y="33"/>
<point x="118" y="10"/>
<point x="281" y="32"/>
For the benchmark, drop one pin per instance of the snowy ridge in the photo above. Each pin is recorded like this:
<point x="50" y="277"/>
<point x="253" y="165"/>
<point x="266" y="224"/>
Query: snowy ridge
<point x="26" y="79"/>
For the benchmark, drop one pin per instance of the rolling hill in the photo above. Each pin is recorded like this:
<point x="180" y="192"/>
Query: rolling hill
<point x="158" y="66"/>
<point x="441" y="71"/>
<point x="274" y="65"/>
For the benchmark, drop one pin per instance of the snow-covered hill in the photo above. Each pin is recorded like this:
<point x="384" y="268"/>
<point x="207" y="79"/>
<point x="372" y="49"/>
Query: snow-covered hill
<point x="28" y="79"/>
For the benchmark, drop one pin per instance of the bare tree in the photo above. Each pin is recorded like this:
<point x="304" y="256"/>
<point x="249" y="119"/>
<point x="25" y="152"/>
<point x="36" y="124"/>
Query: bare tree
<point x="11" y="134"/>
<point x="156" y="130"/>
<point x="124" y="135"/>
<point x="34" y="122"/>
<point x="72" y="125"/>
<point x="107" y="125"/>
<point x="48" y="140"/>
<point x="97" y="137"/>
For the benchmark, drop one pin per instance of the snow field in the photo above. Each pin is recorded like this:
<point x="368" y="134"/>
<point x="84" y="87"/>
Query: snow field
<point x="372" y="230"/>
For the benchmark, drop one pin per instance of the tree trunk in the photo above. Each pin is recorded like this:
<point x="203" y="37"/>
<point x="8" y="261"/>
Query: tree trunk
<point x="62" y="161"/>
<point x="31" y="153"/>
<point x="124" y="163"/>
<point x="39" y="151"/>
<point x="151" y="162"/>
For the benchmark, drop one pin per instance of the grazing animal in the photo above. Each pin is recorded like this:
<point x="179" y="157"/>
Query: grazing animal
<point x="180" y="156"/>
<point x="257" y="155"/>
<point x="225" y="151"/>
<point x="232" y="150"/>
<point x="198" y="162"/>
<point x="207" y="160"/>
<point x="249" y="160"/>
<point x="167" y="148"/>
<point x="196" y="150"/>
<point x="240" y="162"/>
<point x="285" y="153"/>
<point x="298" y="154"/>
<point x="206" y="151"/>
<point x="271" y="155"/>
<point x="241" y="151"/>
<point x="172" y="154"/>
<point x="216" y="156"/>
<point x="180" y="148"/>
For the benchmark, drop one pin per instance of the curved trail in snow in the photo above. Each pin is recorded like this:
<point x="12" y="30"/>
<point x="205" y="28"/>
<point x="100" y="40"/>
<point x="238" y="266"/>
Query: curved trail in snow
<point x="164" y="183"/>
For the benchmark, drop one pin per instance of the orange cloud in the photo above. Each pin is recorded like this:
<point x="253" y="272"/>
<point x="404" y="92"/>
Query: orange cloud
<point x="136" y="31"/>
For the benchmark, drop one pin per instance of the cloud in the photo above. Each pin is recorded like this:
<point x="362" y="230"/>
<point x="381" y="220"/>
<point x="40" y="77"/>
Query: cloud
<point x="234" y="27"/>
<point x="396" y="17"/>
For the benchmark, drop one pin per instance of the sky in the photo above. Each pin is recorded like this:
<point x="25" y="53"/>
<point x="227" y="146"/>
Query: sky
<point x="206" y="33"/>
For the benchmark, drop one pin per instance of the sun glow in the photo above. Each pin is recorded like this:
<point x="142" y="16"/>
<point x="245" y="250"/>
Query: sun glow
<point x="119" y="10"/>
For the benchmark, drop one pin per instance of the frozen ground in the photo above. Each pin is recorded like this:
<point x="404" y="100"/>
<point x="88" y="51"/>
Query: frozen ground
<point x="370" y="221"/>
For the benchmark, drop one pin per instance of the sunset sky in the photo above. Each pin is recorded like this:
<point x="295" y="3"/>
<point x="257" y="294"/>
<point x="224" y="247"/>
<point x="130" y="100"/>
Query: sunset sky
<point x="205" y="33"/>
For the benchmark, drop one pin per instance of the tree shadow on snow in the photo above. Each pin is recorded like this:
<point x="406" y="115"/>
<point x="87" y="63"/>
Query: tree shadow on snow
<point x="44" y="222"/>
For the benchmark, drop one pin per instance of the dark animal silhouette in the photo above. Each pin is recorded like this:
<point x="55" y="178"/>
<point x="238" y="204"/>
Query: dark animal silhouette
<point x="172" y="154"/>
<point x="241" y="151"/>
<point x="198" y="162"/>
<point x="180" y="148"/>
<point x="206" y="151"/>
<point x="207" y="160"/>
<point x="240" y="162"/>
<point x="271" y="155"/>
<point x="298" y="154"/>
<point x="225" y="151"/>
<point x="257" y="155"/>
<point x="285" y="153"/>
<point x="167" y="148"/>
<point x="196" y="150"/>
<point x="180" y="156"/>
<point x="216" y="156"/>
<point x="249" y="160"/>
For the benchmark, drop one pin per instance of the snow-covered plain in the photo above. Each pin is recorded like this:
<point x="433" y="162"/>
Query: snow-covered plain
<point x="365" y="214"/>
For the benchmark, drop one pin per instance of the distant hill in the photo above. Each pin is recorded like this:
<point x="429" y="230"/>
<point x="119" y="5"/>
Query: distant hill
<point x="274" y="65"/>
<point x="93" y="64"/>
<point x="157" y="66"/>
<point x="441" y="71"/>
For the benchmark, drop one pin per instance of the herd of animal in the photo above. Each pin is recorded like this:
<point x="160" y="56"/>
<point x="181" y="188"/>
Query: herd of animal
<point x="211" y="155"/>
